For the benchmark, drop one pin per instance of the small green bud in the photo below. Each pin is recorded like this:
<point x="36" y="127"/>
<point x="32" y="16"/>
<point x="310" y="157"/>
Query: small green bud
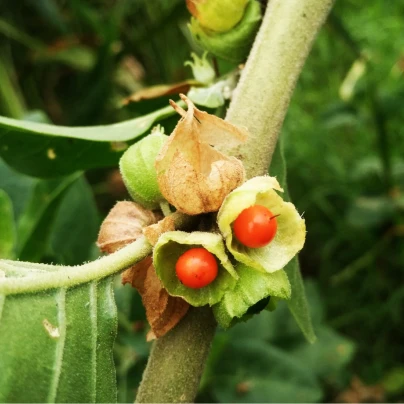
<point x="217" y="15"/>
<point x="138" y="172"/>
<point x="201" y="68"/>
<point x="235" y="44"/>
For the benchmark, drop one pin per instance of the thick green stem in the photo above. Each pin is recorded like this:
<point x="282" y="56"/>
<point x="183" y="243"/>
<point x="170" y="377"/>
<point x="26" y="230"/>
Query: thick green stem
<point x="177" y="360"/>
<point x="260" y="103"/>
<point x="54" y="276"/>
<point x="266" y="86"/>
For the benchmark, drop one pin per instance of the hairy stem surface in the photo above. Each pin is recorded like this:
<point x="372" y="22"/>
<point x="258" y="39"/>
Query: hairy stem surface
<point x="266" y="86"/>
<point x="260" y="103"/>
<point x="176" y="364"/>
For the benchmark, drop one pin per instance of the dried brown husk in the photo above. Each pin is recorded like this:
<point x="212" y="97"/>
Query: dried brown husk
<point x="161" y="90"/>
<point x="163" y="311"/>
<point x="154" y="231"/>
<point x="192" y="175"/>
<point x="123" y="225"/>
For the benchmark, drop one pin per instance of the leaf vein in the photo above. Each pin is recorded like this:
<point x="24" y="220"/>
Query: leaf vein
<point x="94" y="335"/>
<point x="61" y="304"/>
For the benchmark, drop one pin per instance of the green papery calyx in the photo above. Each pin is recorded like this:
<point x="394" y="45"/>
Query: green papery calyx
<point x="290" y="235"/>
<point x="138" y="171"/>
<point x="235" y="44"/>
<point x="251" y="287"/>
<point x="171" y="245"/>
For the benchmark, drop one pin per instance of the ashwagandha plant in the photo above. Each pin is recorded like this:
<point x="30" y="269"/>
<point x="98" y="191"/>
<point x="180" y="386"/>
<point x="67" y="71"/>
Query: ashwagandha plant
<point x="209" y="235"/>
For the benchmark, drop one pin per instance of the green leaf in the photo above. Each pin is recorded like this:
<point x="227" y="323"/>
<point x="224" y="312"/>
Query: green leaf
<point x="75" y="227"/>
<point x="45" y="150"/>
<point x="78" y="57"/>
<point x="331" y="353"/>
<point x="251" y="287"/>
<point x="56" y="346"/>
<point x="57" y="219"/>
<point x="19" y="187"/>
<point x="35" y="224"/>
<point x="281" y="356"/>
<point x="172" y="245"/>
<point x="298" y="305"/>
<point x="291" y="231"/>
<point x="7" y="229"/>
<point x="370" y="212"/>
<point x="393" y="381"/>
<point x="57" y="328"/>
<point x="251" y="371"/>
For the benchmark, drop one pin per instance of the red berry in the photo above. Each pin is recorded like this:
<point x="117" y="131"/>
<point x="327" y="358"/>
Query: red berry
<point x="196" y="268"/>
<point x="255" y="226"/>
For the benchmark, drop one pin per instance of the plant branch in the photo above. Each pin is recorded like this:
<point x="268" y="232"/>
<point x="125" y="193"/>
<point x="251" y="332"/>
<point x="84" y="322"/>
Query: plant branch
<point x="68" y="276"/>
<point x="260" y="103"/>
<point x="176" y="364"/>
<point x="26" y="277"/>
<point x="267" y="82"/>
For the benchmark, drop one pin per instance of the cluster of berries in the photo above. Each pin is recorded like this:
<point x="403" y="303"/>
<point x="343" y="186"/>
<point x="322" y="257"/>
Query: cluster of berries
<point x="255" y="227"/>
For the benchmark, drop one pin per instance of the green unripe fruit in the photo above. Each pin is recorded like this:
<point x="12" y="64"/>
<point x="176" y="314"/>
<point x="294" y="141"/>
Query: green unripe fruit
<point x="138" y="172"/>
<point x="235" y="44"/>
<point x="217" y="15"/>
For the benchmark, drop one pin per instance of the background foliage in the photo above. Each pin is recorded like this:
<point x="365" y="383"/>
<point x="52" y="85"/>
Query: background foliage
<point x="72" y="63"/>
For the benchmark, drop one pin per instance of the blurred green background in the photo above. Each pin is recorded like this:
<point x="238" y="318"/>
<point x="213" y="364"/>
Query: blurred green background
<point x="73" y="63"/>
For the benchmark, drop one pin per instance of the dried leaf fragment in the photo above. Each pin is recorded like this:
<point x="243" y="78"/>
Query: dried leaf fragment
<point x="154" y="231"/>
<point x="163" y="311"/>
<point x="123" y="225"/>
<point x="361" y="393"/>
<point x="192" y="175"/>
<point x="161" y="90"/>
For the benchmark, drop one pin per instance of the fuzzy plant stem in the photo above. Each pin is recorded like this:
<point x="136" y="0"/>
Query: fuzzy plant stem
<point x="262" y="97"/>
<point x="260" y="103"/>
<point x="177" y="360"/>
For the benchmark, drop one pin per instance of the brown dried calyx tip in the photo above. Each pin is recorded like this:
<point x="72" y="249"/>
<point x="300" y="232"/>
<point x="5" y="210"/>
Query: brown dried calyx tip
<point x="192" y="175"/>
<point x="126" y="222"/>
<point x="123" y="225"/>
<point x="154" y="231"/>
<point x="163" y="311"/>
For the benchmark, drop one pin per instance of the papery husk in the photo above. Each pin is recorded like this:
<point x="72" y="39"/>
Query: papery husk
<point x="154" y="231"/>
<point x="123" y="225"/>
<point x="291" y="231"/>
<point x="138" y="172"/>
<point x="163" y="312"/>
<point x="192" y="175"/>
<point x="252" y="287"/>
<point x="169" y="248"/>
